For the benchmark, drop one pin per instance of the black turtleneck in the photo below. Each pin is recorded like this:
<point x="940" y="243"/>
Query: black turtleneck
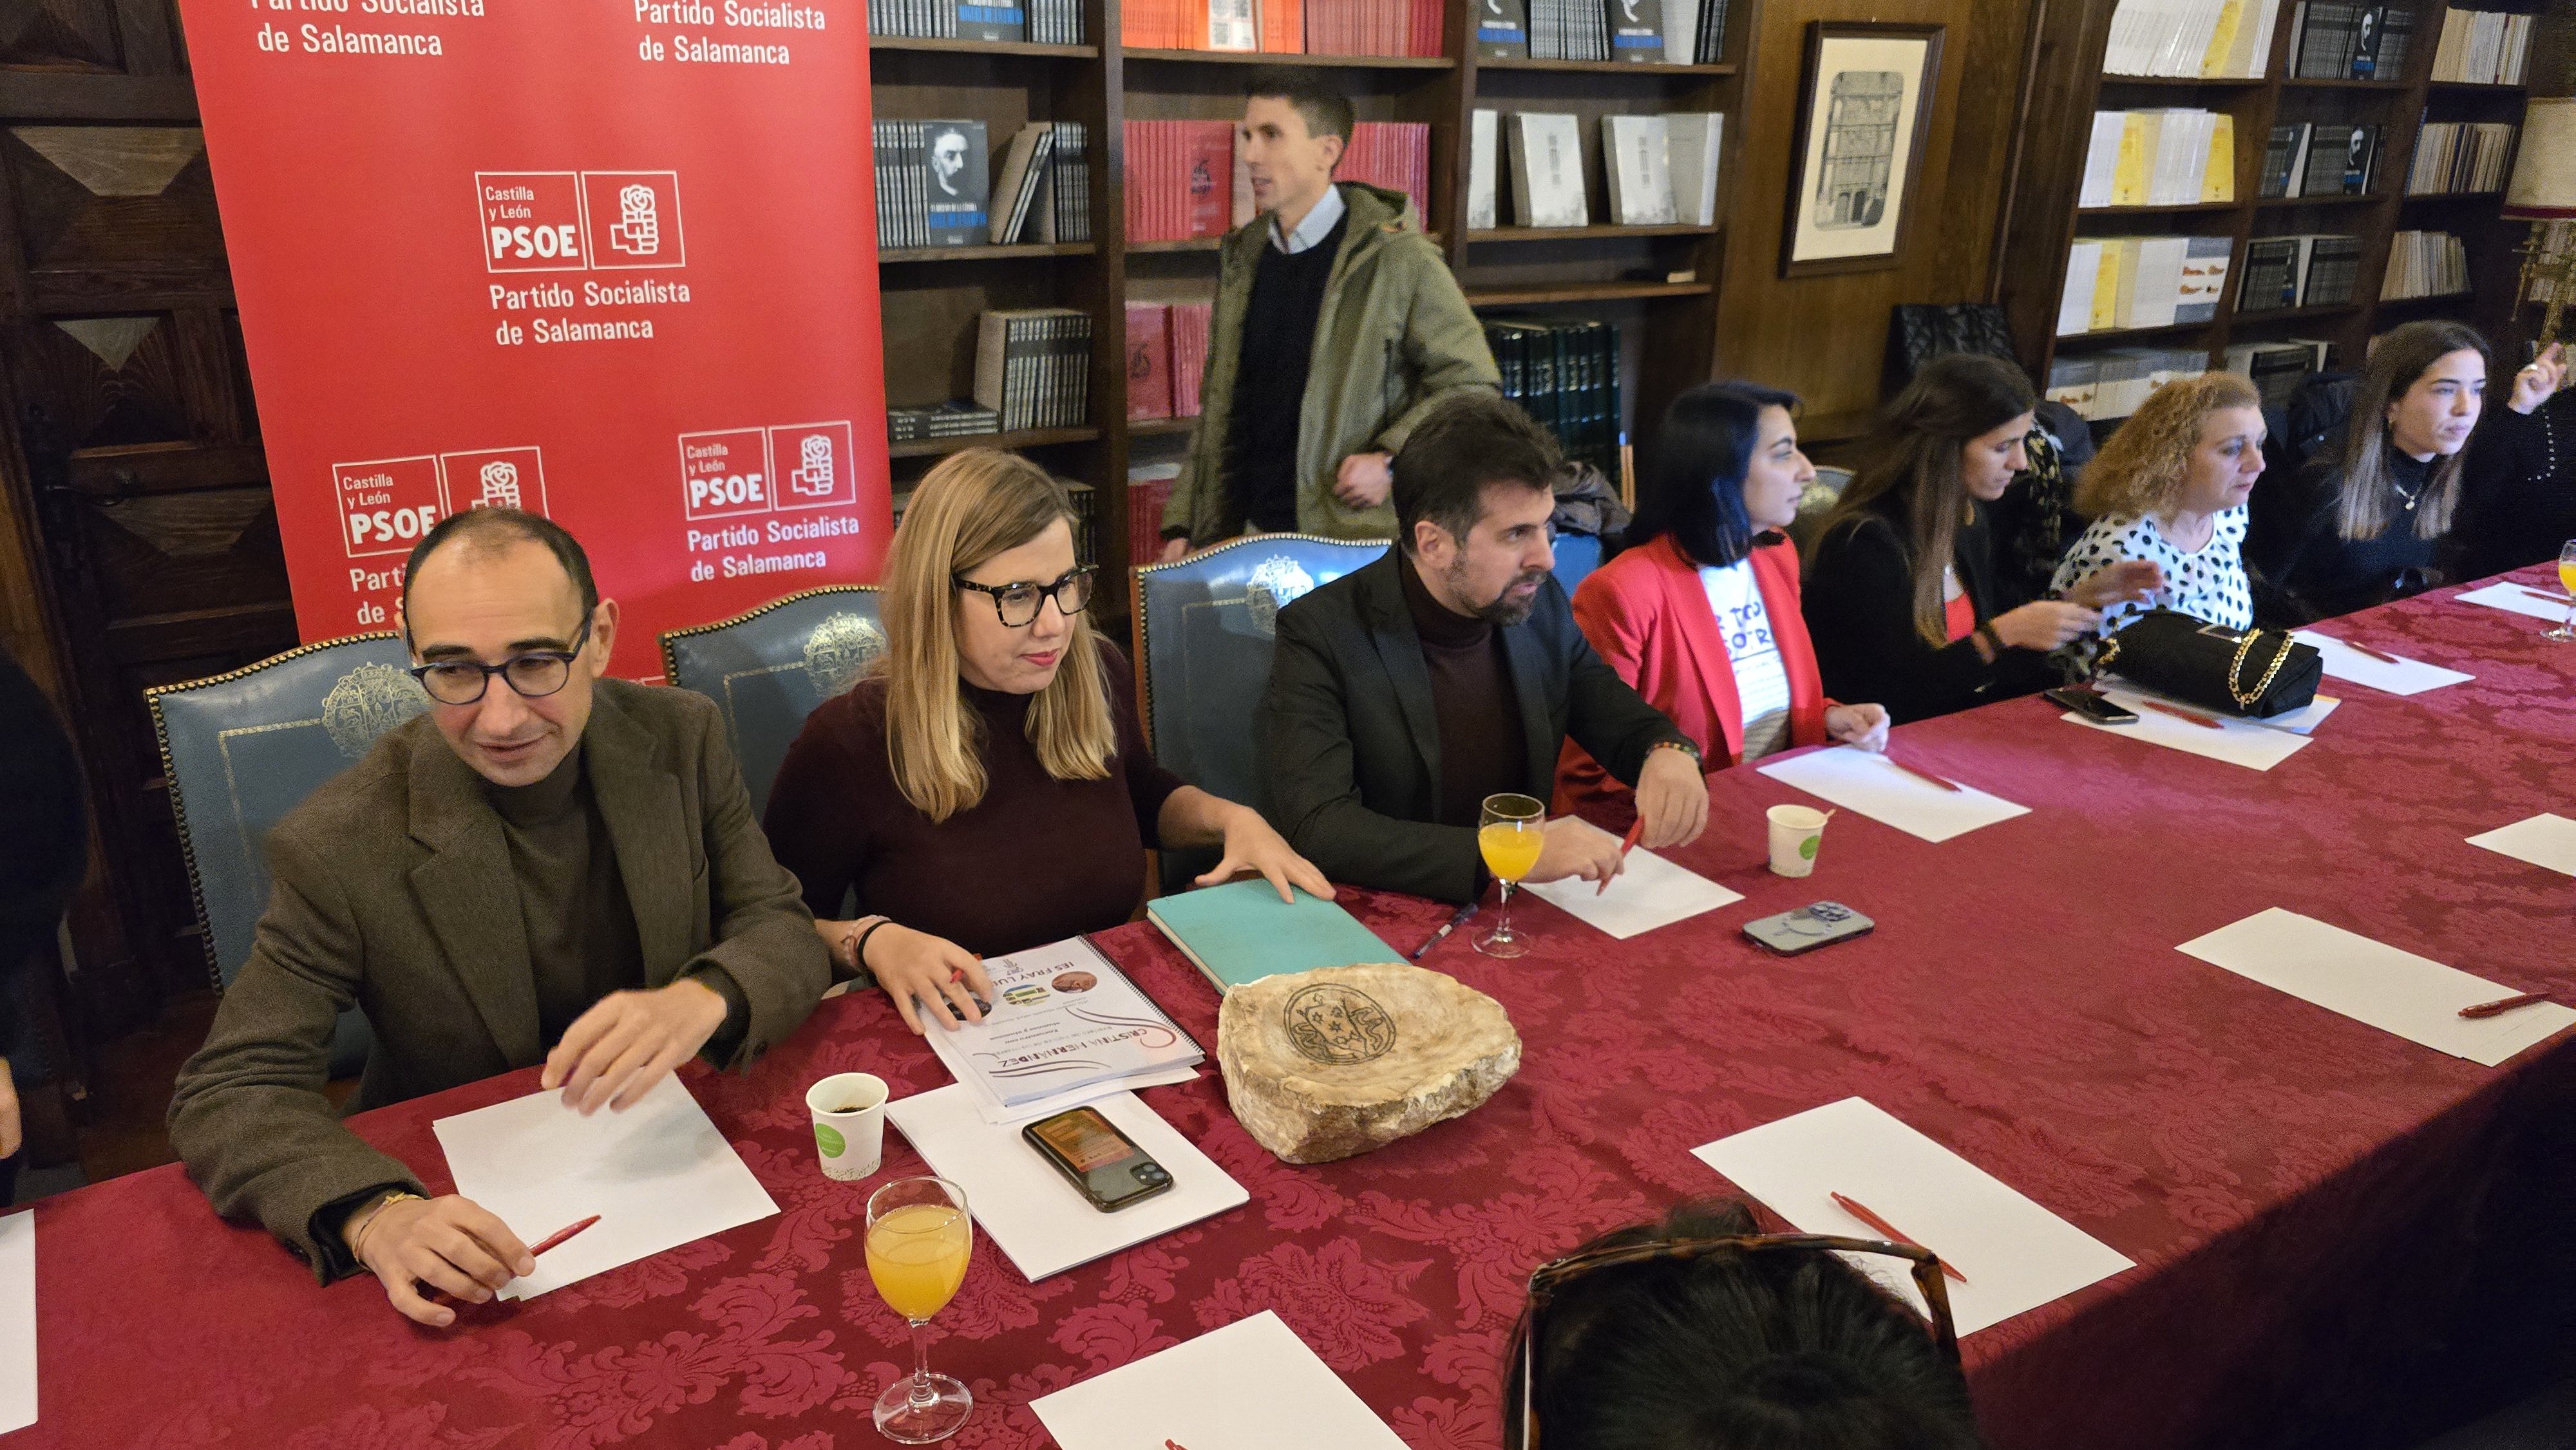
<point x="1482" y="749"/>
<point x="2314" y="572"/>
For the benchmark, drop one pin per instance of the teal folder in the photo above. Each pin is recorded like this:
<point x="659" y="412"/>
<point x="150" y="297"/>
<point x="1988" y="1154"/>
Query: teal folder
<point x="1242" y="932"/>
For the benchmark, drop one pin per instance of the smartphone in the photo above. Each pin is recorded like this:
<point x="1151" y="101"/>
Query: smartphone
<point x="2092" y="705"/>
<point x="1809" y="927"/>
<point x="1098" y="1160"/>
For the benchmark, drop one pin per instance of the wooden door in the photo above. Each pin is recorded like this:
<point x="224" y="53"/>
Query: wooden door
<point x="140" y="541"/>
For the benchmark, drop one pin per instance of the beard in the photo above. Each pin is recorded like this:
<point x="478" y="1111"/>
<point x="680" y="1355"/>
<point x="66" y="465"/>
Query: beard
<point x="1502" y="609"/>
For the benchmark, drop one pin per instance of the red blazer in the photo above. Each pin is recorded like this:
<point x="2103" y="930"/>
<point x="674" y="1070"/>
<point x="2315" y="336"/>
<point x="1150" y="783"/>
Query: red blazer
<point x="1647" y="613"/>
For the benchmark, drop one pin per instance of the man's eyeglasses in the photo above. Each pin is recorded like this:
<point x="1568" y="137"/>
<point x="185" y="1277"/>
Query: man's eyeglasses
<point x="534" y="673"/>
<point x="1018" y="604"/>
<point x="1549" y="1278"/>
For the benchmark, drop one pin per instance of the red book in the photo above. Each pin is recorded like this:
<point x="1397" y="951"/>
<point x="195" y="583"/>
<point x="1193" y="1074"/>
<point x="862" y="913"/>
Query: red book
<point x="1189" y="355"/>
<point x="1210" y="178"/>
<point x="1149" y="360"/>
<point x="1145" y="500"/>
<point x="1283" y="26"/>
<point x="1133" y="172"/>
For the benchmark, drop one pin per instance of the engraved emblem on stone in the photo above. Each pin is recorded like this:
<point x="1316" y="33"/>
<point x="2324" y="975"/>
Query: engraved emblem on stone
<point x="1337" y="1026"/>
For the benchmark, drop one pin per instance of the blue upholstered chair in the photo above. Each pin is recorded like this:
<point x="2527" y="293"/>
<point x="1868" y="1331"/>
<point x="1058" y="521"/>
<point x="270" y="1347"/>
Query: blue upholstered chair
<point x="1204" y="628"/>
<point x="1576" y="556"/>
<point x="768" y="669"/>
<point x="240" y="750"/>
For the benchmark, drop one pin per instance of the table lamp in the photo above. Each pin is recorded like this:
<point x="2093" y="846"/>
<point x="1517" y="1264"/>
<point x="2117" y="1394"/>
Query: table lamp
<point x="2543" y="193"/>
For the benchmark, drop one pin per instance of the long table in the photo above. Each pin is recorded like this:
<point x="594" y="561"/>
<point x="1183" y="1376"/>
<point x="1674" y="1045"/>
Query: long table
<point x="2312" y="1204"/>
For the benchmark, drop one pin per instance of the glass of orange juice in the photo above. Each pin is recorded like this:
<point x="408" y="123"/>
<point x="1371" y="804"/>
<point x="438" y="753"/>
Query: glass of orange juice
<point x="1510" y="832"/>
<point x="2566" y="581"/>
<point x="919" y="1239"/>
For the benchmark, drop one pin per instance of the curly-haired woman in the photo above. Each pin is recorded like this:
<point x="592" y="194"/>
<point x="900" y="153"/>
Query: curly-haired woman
<point x="2169" y="489"/>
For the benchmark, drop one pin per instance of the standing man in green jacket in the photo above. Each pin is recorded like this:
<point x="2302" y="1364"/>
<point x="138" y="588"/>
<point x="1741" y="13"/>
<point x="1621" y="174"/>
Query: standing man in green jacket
<point x="1337" y="329"/>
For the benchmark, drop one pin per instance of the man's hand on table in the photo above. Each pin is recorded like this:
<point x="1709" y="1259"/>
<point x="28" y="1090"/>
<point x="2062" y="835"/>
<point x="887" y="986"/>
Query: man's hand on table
<point x="614" y="1053"/>
<point x="1572" y="846"/>
<point x="447" y="1243"/>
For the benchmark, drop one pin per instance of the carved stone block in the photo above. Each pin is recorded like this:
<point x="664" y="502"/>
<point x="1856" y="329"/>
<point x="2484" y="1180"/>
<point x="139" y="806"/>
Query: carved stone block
<point x="1331" y="1063"/>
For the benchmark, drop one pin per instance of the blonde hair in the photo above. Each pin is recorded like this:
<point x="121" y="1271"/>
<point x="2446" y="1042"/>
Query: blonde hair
<point x="973" y="505"/>
<point x="2141" y="468"/>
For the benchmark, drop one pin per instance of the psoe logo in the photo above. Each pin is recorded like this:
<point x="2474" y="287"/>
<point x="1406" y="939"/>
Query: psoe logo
<point x="531" y="221"/>
<point x="632" y="219"/>
<point x="510" y="478"/>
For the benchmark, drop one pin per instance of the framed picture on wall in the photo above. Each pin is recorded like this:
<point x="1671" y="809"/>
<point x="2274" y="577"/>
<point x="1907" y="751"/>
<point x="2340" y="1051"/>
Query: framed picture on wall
<point x="1864" y="103"/>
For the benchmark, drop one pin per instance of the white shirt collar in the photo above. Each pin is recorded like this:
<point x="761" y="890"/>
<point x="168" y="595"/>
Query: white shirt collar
<point x="1317" y="225"/>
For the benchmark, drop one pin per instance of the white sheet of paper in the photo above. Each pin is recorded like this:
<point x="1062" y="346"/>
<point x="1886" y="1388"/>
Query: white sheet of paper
<point x="2545" y="841"/>
<point x="1037" y="1219"/>
<point x="2015" y="1254"/>
<point x="1649" y="893"/>
<point x="2415" y="997"/>
<point x="1001" y="1114"/>
<point x="17" y="1322"/>
<point x="2510" y="596"/>
<point x="1870" y="785"/>
<point x="659" y="1175"/>
<point x="2406" y="677"/>
<point x="2238" y="742"/>
<point x="1253" y="1385"/>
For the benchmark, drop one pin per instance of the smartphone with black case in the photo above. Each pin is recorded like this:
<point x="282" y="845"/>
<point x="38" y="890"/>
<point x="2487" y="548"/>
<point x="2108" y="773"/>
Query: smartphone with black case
<point x="1102" y="1164"/>
<point x="2092" y="705"/>
<point x="1809" y="927"/>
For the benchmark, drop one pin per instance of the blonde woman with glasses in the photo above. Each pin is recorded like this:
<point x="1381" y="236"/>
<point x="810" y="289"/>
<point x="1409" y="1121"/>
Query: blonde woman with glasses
<point x="985" y="788"/>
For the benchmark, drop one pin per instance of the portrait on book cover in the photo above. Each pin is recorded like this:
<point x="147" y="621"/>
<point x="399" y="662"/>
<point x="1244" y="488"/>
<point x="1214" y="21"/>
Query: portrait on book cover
<point x="1864" y="104"/>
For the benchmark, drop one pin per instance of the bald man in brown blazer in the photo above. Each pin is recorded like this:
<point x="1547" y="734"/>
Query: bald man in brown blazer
<point x="546" y="866"/>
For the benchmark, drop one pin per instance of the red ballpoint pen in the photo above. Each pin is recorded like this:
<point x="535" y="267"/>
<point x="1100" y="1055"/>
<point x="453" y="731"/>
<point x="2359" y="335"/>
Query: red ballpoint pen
<point x="2503" y="1004"/>
<point x="2194" y="716"/>
<point x="1924" y="775"/>
<point x="556" y="1239"/>
<point x="1625" y="846"/>
<point x="1887" y="1230"/>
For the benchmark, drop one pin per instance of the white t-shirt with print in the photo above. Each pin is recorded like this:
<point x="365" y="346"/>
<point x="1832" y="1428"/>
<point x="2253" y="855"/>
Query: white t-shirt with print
<point x="2206" y="583"/>
<point x="1761" y="681"/>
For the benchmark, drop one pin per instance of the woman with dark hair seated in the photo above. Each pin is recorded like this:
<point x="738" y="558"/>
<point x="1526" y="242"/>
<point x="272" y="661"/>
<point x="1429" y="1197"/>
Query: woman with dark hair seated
<point x="1904" y="601"/>
<point x="2369" y="523"/>
<point x="1700" y="614"/>
<point x="1701" y="1332"/>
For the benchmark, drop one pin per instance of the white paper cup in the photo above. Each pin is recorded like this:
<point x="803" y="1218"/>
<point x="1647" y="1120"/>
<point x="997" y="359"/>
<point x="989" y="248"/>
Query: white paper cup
<point x="1796" y="834"/>
<point x="849" y="1123"/>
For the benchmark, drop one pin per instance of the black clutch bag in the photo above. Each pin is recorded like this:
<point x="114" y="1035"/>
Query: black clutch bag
<point x="2257" y="673"/>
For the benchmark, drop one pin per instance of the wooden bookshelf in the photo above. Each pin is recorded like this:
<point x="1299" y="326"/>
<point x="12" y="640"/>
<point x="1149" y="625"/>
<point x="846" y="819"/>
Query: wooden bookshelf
<point x="934" y="296"/>
<point x="2043" y="220"/>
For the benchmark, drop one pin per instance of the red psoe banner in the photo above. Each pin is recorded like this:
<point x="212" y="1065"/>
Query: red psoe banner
<point x="611" y="261"/>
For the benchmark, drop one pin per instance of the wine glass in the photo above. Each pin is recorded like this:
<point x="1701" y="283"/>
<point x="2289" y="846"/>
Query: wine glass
<point x="919" y="1239"/>
<point x="1510" y="832"/>
<point x="2566" y="581"/>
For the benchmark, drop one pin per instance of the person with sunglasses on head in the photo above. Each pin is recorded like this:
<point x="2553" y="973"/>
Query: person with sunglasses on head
<point x="1701" y="1331"/>
<point x="547" y="866"/>
<point x="994" y="741"/>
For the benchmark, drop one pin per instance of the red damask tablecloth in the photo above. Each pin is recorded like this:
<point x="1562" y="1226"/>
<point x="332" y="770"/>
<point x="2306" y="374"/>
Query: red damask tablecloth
<point x="2312" y="1204"/>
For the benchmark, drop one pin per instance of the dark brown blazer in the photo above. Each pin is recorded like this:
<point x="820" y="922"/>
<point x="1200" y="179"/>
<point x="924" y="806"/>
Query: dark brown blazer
<point x="394" y="891"/>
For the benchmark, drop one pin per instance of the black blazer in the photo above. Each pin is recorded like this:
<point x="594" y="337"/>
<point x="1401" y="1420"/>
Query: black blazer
<point x="1350" y="743"/>
<point x="1859" y="603"/>
<point x="2518" y="502"/>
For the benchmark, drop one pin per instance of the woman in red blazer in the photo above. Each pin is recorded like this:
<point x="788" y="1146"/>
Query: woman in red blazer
<point x="1701" y="612"/>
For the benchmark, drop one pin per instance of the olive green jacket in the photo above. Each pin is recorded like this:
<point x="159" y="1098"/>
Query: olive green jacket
<point x="1394" y="339"/>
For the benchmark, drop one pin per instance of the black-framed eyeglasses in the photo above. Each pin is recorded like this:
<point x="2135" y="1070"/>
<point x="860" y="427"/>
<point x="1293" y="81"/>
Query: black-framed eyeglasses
<point x="1018" y="604"/>
<point x="534" y="673"/>
<point x="1521" y="1409"/>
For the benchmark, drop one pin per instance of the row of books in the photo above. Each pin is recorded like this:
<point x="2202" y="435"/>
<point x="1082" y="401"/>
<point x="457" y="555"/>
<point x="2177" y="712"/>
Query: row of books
<point x="1149" y="487"/>
<point x="2307" y="270"/>
<point x="1167" y="345"/>
<point x="2341" y="40"/>
<point x="1564" y="372"/>
<point x="1287" y="27"/>
<point x="2275" y="368"/>
<point x="1033" y="366"/>
<point x="1184" y="179"/>
<point x="1643" y="32"/>
<point x="1661" y="170"/>
<point x="2211" y="38"/>
<point x="2123" y="282"/>
<point x="2112" y="383"/>
<point x="2312" y="158"/>
<point x="2174" y="157"/>
<point x="956" y="418"/>
<point x="2461" y="156"/>
<point x="2424" y="264"/>
<point x="936" y="187"/>
<point x="1045" y="22"/>
<point x="2482" y="47"/>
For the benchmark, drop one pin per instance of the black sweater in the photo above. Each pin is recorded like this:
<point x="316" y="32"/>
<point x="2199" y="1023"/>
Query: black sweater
<point x="1859" y="603"/>
<point x="2305" y="570"/>
<point x="2518" y="503"/>
<point x="1270" y="389"/>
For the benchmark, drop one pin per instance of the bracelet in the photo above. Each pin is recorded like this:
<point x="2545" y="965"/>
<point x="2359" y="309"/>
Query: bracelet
<point x="859" y="953"/>
<point x="376" y="1212"/>
<point x="1684" y="746"/>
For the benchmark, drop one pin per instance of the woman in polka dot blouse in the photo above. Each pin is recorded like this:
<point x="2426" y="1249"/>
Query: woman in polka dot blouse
<point x="2169" y="489"/>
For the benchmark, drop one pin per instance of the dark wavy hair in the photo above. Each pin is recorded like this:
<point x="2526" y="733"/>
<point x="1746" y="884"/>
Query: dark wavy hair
<point x="2399" y="359"/>
<point x="1694" y="487"/>
<point x="1762" y="1351"/>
